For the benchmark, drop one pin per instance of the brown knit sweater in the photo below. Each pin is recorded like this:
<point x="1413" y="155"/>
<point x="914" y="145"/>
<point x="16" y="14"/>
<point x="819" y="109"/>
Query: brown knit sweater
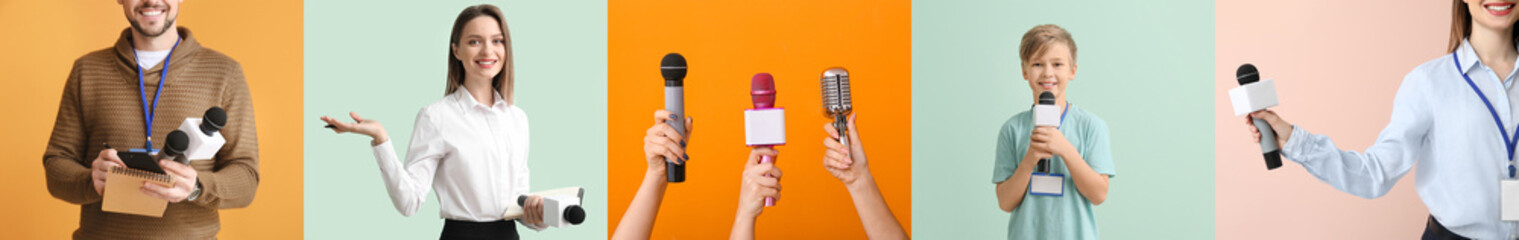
<point x="101" y="105"/>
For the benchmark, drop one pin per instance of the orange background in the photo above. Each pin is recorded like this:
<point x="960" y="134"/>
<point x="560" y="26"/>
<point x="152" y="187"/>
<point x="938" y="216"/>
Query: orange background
<point x="42" y="39"/>
<point x="725" y="44"/>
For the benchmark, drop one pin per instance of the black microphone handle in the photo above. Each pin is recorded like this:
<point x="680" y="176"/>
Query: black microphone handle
<point x="1269" y="149"/>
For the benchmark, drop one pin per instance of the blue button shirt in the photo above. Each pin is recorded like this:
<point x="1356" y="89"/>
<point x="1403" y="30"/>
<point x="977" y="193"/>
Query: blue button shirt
<point x="1441" y="124"/>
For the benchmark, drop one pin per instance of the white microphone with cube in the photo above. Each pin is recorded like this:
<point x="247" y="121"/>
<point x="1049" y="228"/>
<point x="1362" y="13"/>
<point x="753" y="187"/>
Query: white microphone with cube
<point x="204" y="134"/>
<point x="561" y="207"/>
<point x="1253" y="95"/>
<point x="1045" y="182"/>
<point x="765" y="125"/>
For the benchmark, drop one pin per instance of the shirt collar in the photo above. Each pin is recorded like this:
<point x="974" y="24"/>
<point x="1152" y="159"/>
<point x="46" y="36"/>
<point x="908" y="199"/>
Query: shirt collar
<point x="1469" y="60"/>
<point x="1468" y="57"/>
<point x="465" y="100"/>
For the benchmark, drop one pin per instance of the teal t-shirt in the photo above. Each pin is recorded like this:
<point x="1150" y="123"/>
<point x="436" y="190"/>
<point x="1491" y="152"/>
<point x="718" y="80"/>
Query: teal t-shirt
<point x="1068" y="216"/>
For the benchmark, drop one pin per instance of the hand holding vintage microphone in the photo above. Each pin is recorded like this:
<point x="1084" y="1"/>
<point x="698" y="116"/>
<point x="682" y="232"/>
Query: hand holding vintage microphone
<point x="836" y="100"/>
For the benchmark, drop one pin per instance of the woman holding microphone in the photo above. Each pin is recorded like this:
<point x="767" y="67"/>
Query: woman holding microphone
<point x="471" y="146"/>
<point x="1454" y="116"/>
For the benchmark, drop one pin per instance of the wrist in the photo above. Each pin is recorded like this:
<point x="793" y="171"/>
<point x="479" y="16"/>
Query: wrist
<point x="195" y="192"/>
<point x="864" y="181"/>
<point x="654" y="177"/>
<point x="379" y="138"/>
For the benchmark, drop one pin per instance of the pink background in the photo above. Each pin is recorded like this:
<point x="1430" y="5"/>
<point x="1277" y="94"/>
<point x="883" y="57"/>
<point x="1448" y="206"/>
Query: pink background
<point x="1337" y="65"/>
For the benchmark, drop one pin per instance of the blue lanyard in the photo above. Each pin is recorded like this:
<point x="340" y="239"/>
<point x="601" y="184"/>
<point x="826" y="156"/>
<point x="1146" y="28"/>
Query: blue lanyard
<point x="148" y="113"/>
<point x="1062" y="115"/>
<point x="1507" y="141"/>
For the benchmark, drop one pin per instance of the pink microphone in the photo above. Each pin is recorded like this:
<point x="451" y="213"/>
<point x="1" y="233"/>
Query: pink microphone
<point x="765" y="125"/>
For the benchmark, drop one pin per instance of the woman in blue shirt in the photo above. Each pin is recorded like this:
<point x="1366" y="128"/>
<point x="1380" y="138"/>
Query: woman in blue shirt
<point x="1452" y="116"/>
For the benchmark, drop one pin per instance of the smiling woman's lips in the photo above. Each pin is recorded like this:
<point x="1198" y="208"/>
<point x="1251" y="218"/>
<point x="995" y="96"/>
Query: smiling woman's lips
<point x="1499" y="9"/>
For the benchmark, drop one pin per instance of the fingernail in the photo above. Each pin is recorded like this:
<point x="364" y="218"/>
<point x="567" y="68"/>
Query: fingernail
<point x="687" y="157"/>
<point x="674" y="117"/>
<point x="682" y="143"/>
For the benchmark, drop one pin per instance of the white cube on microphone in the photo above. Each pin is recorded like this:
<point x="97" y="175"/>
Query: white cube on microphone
<point x="1253" y="97"/>
<point x="561" y="207"/>
<point x="765" y="127"/>
<point x="1046" y="115"/>
<point x="202" y="146"/>
<point x="556" y="206"/>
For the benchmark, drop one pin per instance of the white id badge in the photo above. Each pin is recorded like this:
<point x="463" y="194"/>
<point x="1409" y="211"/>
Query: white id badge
<point x="1047" y="184"/>
<point x="1510" y="200"/>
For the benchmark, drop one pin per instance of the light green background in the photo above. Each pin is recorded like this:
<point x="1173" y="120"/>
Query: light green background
<point x="386" y="60"/>
<point x="1146" y="67"/>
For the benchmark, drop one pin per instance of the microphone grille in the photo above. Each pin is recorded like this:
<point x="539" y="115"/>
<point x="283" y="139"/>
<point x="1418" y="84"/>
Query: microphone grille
<point x="1046" y="98"/>
<point x="214" y="119"/>
<point x="673" y="67"/>
<point x="1247" y="74"/>
<point x="177" y="142"/>
<point x="574" y="214"/>
<point x="835" y="85"/>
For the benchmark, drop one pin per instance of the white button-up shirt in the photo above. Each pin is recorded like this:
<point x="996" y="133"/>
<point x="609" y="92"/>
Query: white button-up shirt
<point x="474" y="155"/>
<point x="1439" y="122"/>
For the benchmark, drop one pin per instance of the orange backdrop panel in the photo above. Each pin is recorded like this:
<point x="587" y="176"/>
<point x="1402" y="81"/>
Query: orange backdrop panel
<point x="42" y="39"/>
<point x="725" y="44"/>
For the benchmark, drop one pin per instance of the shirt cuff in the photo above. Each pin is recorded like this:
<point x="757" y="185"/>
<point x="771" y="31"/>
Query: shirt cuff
<point x="1297" y="145"/>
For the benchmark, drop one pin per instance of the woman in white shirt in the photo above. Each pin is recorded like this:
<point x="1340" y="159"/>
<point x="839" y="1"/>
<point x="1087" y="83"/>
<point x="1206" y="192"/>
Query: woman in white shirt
<point x="471" y="146"/>
<point x="1452" y="116"/>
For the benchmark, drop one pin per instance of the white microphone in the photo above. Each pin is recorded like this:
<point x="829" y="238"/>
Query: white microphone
<point x="1252" y="95"/>
<point x="561" y="207"/>
<point x="205" y="134"/>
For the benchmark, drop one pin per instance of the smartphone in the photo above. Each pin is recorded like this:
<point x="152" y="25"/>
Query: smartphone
<point x="140" y="161"/>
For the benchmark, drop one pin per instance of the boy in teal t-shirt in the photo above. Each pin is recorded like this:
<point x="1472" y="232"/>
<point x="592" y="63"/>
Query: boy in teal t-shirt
<point x="1078" y="151"/>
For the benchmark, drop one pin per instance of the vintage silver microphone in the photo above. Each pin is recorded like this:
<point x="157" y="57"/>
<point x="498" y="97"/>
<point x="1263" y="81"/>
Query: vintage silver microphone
<point x="836" y="101"/>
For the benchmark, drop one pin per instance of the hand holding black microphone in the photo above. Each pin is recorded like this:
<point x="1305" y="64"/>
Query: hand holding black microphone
<point x="1254" y="96"/>
<point x="673" y="68"/>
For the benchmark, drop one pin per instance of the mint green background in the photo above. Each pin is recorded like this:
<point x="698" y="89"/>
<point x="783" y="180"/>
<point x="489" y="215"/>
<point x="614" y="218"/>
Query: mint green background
<point x="1146" y="67"/>
<point x="385" y="60"/>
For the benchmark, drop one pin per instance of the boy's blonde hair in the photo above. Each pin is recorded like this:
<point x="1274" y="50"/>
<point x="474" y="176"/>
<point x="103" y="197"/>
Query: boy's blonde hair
<point x="1036" y="40"/>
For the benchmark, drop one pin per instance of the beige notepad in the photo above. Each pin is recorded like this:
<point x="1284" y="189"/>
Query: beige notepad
<point x="122" y="194"/>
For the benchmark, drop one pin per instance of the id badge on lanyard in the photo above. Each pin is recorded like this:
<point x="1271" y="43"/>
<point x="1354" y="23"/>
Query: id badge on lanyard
<point x="1509" y="187"/>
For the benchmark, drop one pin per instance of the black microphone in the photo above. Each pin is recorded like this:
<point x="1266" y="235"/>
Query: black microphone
<point x="673" y="67"/>
<point x="174" y="148"/>
<point x="1046" y="114"/>
<point x="1247" y="74"/>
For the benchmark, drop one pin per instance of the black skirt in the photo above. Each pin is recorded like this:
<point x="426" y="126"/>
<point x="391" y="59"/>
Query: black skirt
<point x="467" y="230"/>
<point x="1433" y="230"/>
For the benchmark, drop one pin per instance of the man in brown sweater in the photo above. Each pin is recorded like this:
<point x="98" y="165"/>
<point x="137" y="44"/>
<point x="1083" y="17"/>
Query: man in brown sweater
<point x="109" y="95"/>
